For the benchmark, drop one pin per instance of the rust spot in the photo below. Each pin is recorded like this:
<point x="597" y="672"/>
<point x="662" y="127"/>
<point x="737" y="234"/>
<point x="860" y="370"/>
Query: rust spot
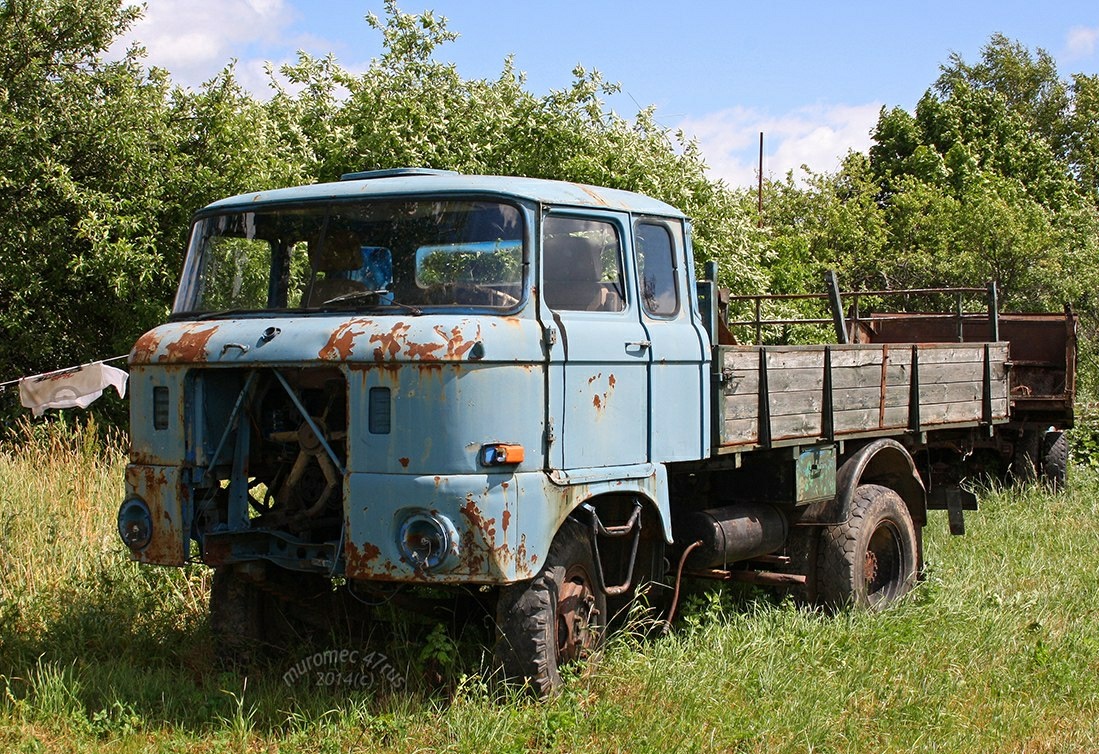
<point x="404" y="462"/>
<point x="359" y="561"/>
<point x="597" y="403"/>
<point x="389" y="343"/>
<point x="423" y="351"/>
<point x="145" y="347"/>
<point x="456" y="345"/>
<point x="486" y="526"/>
<point x="342" y="341"/>
<point x="521" y="555"/>
<point x="190" y="346"/>
<point x="216" y="552"/>
<point x="610" y="381"/>
<point x="167" y="544"/>
<point x="141" y="457"/>
<point x="505" y="519"/>
<point x="596" y="197"/>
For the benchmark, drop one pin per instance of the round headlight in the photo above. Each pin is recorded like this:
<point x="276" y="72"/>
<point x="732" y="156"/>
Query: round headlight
<point x="135" y="523"/>
<point x="428" y="541"/>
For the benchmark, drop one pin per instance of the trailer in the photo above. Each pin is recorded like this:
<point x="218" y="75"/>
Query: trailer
<point x="514" y="393"/>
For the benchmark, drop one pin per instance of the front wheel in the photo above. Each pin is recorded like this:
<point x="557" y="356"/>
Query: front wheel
<point x="555" y="619"/>
<point x="869" y="560"/>
<point x="254" y="613"/>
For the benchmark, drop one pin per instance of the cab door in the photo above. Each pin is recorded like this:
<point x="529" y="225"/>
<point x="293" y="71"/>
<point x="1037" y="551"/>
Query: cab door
<point x="598" y="348"/>
<point x="679" y="346"/>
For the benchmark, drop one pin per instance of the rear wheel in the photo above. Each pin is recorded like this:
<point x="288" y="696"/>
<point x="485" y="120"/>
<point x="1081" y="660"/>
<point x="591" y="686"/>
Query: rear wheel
<point x="1025" y="458"/>
<point x="1054" y="470"/>
<point x="555" y="619"/>
<point x="869" y="560"/>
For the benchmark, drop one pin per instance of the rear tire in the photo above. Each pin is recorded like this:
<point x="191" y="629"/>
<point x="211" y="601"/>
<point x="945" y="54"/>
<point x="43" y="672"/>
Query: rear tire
<point x="555" y="619"/>
<point x="869" y="560"/>
<point x="1054" y="471"/>
<point x="1025" y="459"/>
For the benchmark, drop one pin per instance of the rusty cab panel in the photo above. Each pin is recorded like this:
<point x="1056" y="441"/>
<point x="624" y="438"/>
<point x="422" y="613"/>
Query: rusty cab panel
<point x="358" y="380"/>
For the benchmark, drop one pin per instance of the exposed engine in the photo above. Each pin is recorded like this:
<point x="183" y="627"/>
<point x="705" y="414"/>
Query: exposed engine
<point x="285" y="471"/>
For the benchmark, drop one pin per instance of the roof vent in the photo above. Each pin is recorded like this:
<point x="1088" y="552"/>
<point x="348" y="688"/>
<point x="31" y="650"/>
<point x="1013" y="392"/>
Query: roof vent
<point x="393" y="173"/>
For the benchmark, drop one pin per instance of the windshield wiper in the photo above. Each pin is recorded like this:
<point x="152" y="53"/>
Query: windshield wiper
<point x="356" y="295"/>
<point x="214" y="314"/>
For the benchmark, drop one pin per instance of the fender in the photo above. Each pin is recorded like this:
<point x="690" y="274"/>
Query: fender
<point x="888" y="463"/>
<point x="567" y="491"/>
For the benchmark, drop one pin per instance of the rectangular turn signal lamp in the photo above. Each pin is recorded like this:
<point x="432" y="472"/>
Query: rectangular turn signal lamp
<point x="501" y="454"/>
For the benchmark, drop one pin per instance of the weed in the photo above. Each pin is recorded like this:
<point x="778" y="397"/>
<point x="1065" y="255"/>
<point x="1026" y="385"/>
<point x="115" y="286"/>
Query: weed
<point x="996" y="650"/>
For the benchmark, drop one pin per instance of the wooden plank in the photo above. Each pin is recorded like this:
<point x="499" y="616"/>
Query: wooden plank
<point x="951" y="388"/>
<point x="800" y="357"/>
<point x="746" y="430"/>
<point x="781" y="378"/>
<point x="793" y="402"/>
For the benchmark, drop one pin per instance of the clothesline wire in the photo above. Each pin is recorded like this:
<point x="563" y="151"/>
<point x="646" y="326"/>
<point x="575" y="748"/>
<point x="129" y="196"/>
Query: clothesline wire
<point x="66" y="369"/>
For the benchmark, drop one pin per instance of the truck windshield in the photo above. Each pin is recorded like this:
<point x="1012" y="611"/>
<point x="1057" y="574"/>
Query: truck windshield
<point x="400" y="254"/>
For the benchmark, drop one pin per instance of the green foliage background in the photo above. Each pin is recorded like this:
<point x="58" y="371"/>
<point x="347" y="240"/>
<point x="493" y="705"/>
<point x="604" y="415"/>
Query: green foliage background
<point x="995" y="176"/>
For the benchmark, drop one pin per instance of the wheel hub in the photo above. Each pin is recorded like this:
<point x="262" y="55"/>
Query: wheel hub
<point x="575" y="615"/>
<point x="871" y="567"/>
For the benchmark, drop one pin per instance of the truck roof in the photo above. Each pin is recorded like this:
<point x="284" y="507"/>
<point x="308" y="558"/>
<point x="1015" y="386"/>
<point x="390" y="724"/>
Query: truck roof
<point x="414" y="181"/>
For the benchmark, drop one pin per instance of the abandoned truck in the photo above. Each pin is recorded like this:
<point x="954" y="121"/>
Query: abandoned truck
<point x="512" y="390"/>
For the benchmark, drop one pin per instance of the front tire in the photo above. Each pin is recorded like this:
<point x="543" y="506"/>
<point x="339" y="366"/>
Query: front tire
<point x="555" y="619"/>
<point x="254" y="614"/>
<point x="869" y="560"/>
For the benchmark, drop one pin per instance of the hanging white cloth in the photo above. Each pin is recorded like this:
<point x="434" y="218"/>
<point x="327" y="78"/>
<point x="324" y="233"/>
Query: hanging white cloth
<point x="70" y="388"/>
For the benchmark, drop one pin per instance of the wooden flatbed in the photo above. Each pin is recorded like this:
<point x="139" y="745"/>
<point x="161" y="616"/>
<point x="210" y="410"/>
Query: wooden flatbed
<point x="787" y="395"/>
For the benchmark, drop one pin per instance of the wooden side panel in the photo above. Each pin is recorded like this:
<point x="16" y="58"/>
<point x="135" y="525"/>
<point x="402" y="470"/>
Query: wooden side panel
<point x="817" y="392"/>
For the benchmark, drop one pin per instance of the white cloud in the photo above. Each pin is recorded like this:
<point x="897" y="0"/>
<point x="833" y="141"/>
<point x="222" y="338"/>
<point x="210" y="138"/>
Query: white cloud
<point x="816" y="136"/>
<point x="1081" y="41"/>
<point x="194" y="39"/>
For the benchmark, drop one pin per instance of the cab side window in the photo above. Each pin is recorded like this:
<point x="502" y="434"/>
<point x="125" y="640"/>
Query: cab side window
<point x="656" y="269"/>
<point x="582" y="267"/>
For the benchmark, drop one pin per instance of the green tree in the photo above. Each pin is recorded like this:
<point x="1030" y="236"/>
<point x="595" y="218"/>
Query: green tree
<point x="103" y="163"/>
<point x="85" y="147"/>
<point x="1082" y="139"/>
<point x="1028" y="82"/>
<point x="986" y="180"/>
<point x="410" y="109"/>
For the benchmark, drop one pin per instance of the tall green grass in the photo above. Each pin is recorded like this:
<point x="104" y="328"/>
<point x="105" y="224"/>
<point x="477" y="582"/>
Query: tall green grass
<point x="998" y="650"/>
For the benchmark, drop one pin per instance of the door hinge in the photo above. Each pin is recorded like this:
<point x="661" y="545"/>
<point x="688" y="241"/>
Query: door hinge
<point x="550" y="436"/>
<point x="551" y="336"/>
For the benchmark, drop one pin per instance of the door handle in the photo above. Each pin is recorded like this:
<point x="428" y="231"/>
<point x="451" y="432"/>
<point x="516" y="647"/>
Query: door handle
<point x="640" y="345"/>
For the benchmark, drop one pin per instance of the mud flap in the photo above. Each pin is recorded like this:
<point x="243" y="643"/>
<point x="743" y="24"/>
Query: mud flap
<point x="954" y="500"/>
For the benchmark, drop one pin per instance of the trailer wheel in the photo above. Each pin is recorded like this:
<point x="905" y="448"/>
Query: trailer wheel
<point x="869" y="560"/>
<point x="555" y="619"/>
<point x="1054" y="470"/>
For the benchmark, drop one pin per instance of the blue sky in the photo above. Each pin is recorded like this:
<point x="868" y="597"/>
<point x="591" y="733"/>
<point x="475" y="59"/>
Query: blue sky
<point x="811" y="75"/>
